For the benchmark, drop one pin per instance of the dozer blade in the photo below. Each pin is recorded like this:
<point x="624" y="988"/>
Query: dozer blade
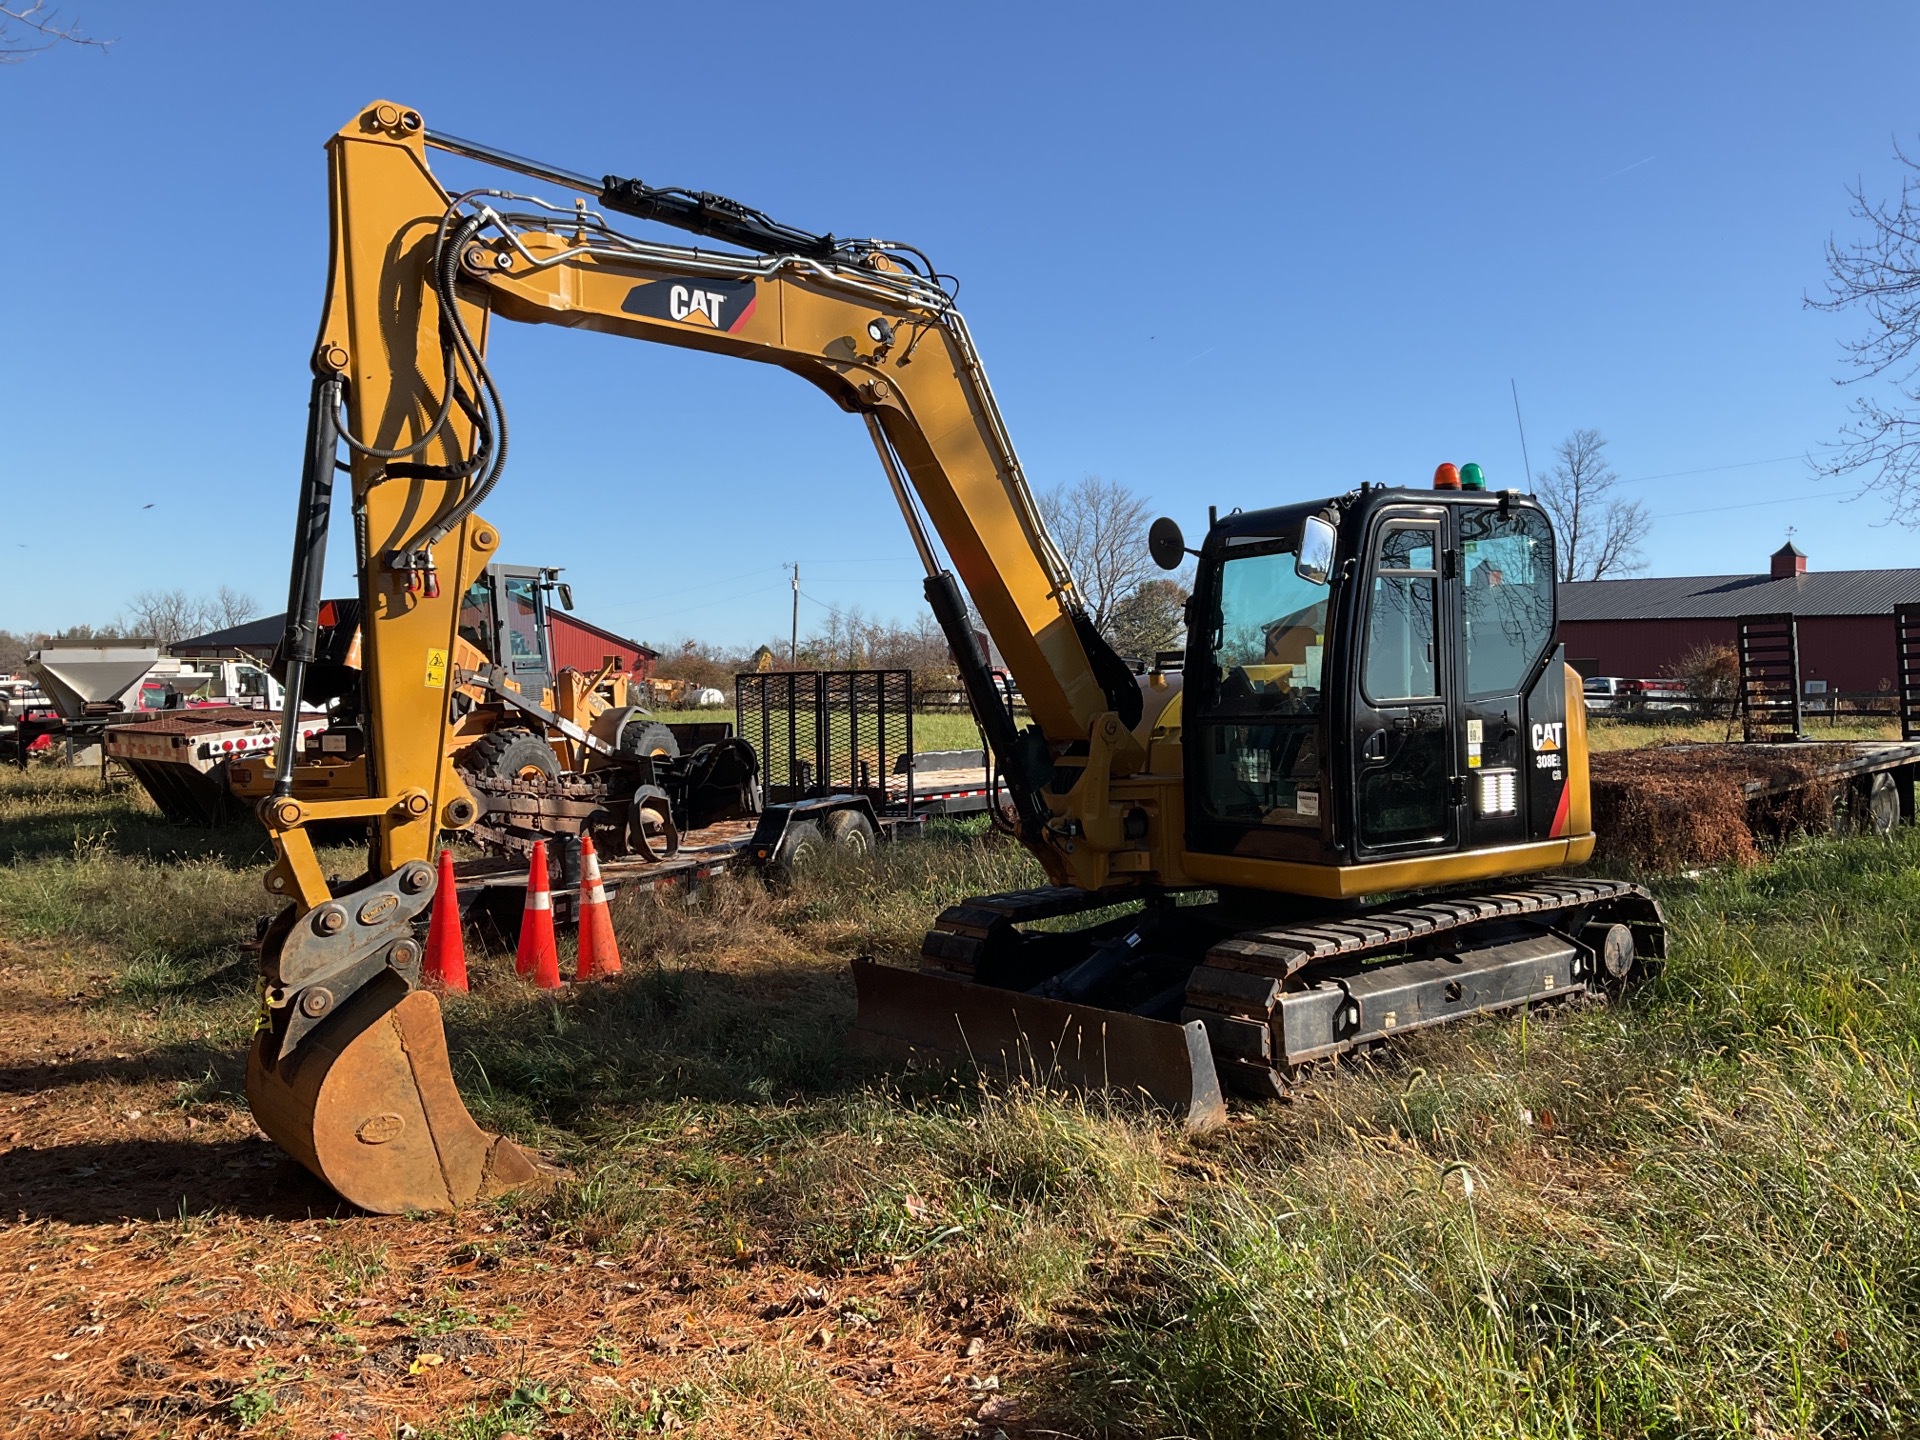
<point x="368" y="1104"/>
<point x="905" y="1013"/>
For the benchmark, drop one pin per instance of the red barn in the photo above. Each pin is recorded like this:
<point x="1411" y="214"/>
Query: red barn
<point x="585" y="646"/>
<point x="1641" y="628"/>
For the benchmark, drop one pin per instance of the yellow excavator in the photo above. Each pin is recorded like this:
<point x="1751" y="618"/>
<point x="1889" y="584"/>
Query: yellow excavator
<point x="1318" y="835"/>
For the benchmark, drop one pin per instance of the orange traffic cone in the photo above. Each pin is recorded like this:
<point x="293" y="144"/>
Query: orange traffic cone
<point x="599" y="951"/>
<point x="537" y="956"/>
<point x="446" y="947"/>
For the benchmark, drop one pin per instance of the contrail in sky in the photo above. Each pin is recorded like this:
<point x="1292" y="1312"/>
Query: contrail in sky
<point x="1623" y="170"/>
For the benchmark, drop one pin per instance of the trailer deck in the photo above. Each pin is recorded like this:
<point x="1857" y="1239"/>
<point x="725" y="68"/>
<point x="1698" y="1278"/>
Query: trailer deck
<point x="493" y="887"/>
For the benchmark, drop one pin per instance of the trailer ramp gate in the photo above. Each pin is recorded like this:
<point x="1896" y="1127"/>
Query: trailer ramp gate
<point x="823" y="732"/>
<point x="1770" y="677"/>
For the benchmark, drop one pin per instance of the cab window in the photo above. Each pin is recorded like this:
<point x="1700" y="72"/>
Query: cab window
<point x="1262" y="737"/>
<point x="1272" y="635"/>
<point x="476" y="618"/>
<point x="1507" y="565"/>
<point x="1401" y="663"/>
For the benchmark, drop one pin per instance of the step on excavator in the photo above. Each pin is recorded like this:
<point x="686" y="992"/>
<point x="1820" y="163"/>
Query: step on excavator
<point x="1343" y="821"/>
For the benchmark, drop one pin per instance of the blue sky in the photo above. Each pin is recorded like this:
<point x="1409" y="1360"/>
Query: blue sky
<point x="1228" y="255"/>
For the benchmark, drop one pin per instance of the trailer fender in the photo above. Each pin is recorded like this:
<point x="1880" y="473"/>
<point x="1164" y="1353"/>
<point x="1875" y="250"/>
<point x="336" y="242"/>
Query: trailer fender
<point x="778" y="831"/>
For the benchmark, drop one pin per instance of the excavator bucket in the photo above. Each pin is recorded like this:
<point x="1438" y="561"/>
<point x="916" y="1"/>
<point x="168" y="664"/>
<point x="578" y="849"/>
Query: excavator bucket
<point x="1005" y="1034"/>
<point x="368" y="1104"/>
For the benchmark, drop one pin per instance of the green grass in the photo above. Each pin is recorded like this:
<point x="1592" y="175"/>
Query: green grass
<point x="1713" y="1235"/>
<point x="1691" y="1213"/>
<point x="932" y="729"/>
<point x="1605" y="734"/>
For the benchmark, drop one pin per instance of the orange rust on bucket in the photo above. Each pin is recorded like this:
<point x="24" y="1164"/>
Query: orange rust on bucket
<point x="368" y="1104"/>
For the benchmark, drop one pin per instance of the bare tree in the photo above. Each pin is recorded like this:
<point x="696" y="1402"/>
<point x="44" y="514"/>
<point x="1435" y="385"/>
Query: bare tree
<point x="29" y="27"/>
<point x="1712" y="673"/>
<point x="165" y="616"/>
<point x="1101" y="527"/>
<point x="1880" y="275"/>
<point x="850" y="640"/>
<point x="1152" y="618"/>
<point x="14" y="650"/>
<point x="1599" y="536"/>
<point x="230" y="607"/>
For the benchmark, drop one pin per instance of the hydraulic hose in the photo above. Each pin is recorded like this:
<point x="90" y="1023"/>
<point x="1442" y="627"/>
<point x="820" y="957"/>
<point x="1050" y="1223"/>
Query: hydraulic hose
<point x="447" y="267"/>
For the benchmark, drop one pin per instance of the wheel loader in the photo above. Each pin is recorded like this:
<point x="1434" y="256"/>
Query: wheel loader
<point x="1347" y="818"/>
<point x="545" y="754"/>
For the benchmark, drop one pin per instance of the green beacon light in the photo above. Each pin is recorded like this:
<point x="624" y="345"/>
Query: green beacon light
<point x="1471" y="478"/>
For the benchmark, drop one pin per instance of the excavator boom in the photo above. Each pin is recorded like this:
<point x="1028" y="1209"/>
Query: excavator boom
<point x="402" y="386"/>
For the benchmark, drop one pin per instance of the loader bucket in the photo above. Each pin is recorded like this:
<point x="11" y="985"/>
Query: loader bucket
<point x="1003" y="1033"/>
<point x="368" y="1104"/>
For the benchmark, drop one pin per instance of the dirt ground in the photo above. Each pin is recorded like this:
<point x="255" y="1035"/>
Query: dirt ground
<point x="165" y="1271"/>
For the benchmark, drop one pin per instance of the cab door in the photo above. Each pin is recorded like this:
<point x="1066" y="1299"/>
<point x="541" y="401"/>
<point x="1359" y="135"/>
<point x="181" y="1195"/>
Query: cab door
<point x="1406" y="774"/>
<point x="523" y="631"/>
<point x="1513" y="730"/>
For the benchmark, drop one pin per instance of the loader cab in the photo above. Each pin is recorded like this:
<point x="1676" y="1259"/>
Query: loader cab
<point x="504" y="615"/>
<point x="1372" y="678"/>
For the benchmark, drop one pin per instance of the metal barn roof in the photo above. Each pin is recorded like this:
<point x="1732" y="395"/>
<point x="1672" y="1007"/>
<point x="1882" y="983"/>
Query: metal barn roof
<point x="1721" y="597"/>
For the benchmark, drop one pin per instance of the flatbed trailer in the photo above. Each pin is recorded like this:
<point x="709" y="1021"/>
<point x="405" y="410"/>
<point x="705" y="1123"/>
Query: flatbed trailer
<point x="180" y="757"/>
<point x="1795" y="764"/>
<point x="1873" y="778"/>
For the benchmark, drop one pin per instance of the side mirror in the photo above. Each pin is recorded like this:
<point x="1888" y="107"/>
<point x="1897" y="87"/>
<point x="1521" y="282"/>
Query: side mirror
<point x="1315" y="560"/>
<point x="566" y="596"/>
<point x="1166" y="544"/>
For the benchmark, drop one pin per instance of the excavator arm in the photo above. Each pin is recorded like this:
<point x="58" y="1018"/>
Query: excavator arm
<point x="349" y="1070"/>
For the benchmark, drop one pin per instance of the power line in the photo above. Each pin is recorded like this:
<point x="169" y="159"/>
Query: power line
<point x="1712" y="469"/>
<point x="1756" y="504"/>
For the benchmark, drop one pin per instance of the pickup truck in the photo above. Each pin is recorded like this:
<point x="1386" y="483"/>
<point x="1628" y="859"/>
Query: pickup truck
<point x="1612" y="694"/>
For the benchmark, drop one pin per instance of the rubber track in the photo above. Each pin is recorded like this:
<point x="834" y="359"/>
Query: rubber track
<point x="1285" y="949"/>
<point x="963" y="930"/>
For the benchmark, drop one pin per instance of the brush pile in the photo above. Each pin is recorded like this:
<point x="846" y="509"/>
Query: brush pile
<point x="1674" y="807"/>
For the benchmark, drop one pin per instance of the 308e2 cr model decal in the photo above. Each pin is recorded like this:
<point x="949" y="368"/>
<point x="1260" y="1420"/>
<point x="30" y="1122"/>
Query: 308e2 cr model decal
<point x="716" y="304"/>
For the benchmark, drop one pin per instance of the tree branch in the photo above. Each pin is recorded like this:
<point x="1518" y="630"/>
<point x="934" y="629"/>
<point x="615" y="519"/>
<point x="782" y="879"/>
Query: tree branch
<point x="44" y="25"/>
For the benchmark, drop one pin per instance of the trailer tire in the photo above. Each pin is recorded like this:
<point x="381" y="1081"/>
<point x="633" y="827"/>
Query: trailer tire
<point x="851" y="833"/>
<point x="509" y="755"/>
<point x="1876" y="802"/>
<point x="802" y="847"/>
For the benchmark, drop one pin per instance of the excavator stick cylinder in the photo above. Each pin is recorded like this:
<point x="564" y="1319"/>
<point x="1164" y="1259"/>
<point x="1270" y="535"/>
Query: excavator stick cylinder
<point x="368" y="1104"/>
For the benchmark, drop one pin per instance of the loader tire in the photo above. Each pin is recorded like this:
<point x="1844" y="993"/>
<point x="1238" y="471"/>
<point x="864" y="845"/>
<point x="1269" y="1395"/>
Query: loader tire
<point x="509" y="755"/>
<point x="650" y="738"/>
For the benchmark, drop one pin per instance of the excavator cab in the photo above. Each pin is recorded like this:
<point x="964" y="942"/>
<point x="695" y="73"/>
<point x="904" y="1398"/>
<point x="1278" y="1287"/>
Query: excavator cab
<point x="1373" y="678"/>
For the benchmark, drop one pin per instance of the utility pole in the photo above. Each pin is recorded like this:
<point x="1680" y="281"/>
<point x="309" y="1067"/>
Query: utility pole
<point x="793" y="644"/>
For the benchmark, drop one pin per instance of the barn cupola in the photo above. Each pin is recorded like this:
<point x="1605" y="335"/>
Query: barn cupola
<point x="1788" y="561"/>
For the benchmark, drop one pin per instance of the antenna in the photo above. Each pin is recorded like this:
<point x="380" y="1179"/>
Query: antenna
<point x="1523" y="434"/>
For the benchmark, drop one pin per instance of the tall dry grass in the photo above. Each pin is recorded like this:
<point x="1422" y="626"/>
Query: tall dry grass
<point x="1688" y="1214"/>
